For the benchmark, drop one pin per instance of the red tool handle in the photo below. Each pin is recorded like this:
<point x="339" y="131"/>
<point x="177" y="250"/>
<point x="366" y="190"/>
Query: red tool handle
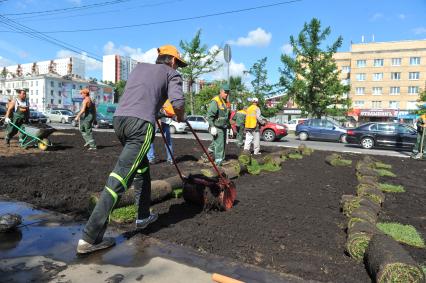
<point x="204" y="149"/>
<point x="170" y="152"/>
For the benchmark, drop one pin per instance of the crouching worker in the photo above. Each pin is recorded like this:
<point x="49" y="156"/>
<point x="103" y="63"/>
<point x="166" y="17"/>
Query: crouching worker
<point x="18" y="113"/>
<point x="147" y="89"/>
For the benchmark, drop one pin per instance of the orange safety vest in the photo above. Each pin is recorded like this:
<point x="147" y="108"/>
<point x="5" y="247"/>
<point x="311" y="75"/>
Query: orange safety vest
<point x="251" y="119"/>
<point x="220" y="103"/>
<point x="168" y="108"/>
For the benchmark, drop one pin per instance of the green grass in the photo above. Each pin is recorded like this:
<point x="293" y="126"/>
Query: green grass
<point x="385" y="173"/>
<point x="342" y="162"/>
<point x="178" y="193"/>
<point x="389" y="188"/>
<point x="295" y="156"/>
<point x="423" y="267"/>
<point x="381" y="165"/>
<point x="406" y="234"/>
<point x="124" y="214"/>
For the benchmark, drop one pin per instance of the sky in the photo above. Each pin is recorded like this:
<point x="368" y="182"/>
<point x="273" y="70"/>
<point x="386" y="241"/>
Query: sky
<point x="252" y="34"/>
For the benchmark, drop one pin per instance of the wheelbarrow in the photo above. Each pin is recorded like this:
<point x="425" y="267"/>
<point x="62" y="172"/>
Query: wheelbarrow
<point x="36" y="136"/>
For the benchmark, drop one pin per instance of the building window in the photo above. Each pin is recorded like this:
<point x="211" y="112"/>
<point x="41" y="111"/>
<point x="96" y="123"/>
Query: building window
<point x="60" y="93"/>
<point x="360" y="90"/>
<point x="346" y="69"/>
<point x="73" y="86"/>
<point x="31" y="92"/>
<point x="411" y="105"/>
<point x="377" y="90"/>
<point x="414" y="60"/>
<point x="361" y="63"/>
<point x="36" y="91"/>
<point x="395" y="90"/>
<point x="377" y="76"/>
<point x="396" y="61"/>
<point x="59" y="84"/>
<point x="413" y="89"/>
<point x="51" y="92"/>
<point x="359" y="103"/>
<point x="396" y="76"/>
<point x="360" y="77"/>
<point x="36" y="83"/>
<point x="414" y="76"/>
<point x="52" y="101"/>
<point x="59" y="101"/>
<point x="394" y="104"/>
<point x="31" y="83"/>
<point x="378" y="62"/>
<point x="36" y="100"/>
<point x="376" y="104"/>
<point x="51" y="83"/>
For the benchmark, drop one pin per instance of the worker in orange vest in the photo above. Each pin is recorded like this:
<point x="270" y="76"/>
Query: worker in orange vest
<point x="252" y="127"/>
<point x="166" y="114"/>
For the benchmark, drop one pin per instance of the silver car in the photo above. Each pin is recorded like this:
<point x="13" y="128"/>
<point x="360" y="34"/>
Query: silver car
<point x="198" y="123"/>
<point x="59" y="115"/>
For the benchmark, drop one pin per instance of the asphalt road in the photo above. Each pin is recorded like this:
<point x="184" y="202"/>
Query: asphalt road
<point x="289" y="141"/>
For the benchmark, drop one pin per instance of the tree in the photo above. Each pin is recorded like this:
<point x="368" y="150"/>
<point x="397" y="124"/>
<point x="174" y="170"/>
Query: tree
<point x="3" y="73"/>
<point x="311" y="77"/>
<point x="239" y="93"/>
<point x="261" y="88"/>
<point x="119" y="90"/>
<point x="200" y="61"/>
<point x="202" y="99"/>
<point x="422" y="103"/>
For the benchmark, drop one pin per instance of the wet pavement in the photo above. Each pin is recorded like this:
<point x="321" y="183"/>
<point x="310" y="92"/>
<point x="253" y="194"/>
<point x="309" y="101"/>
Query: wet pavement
<point x="42" y="249"/>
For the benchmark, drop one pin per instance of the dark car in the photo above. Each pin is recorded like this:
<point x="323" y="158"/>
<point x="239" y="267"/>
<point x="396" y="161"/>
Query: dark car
<point x="320" y="129"/>
<point x="37" y="117"/>
<point x="382" y="134"/>
<point x="2" y="113"/>
<point x="101" y="121"/>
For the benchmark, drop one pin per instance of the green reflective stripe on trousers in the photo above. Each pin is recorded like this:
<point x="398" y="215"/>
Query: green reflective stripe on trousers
<point x="143" y="170"/>
<point x="142" y="152"/>
<point x="115" y="197"/>
<point x="118" y="177"/>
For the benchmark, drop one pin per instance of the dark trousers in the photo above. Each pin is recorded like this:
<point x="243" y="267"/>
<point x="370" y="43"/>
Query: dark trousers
<point x="132" y="166"/>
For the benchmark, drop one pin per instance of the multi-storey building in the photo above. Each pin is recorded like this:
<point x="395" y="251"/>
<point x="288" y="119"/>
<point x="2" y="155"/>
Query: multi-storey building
<point x="385" y="77"/>
<point x="51" y="90"/>
<point x="117" y="68"/>
<point x="70" y="66"/>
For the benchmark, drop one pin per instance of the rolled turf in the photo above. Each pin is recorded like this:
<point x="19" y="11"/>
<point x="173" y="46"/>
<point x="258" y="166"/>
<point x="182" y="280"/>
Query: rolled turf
<point x="359" y="235"/>
<point x="365" y="213"/>
<point x="373" y="194"/>
<point x="336" y="160"/>
<point x="351" y="204"/>
<point x="385" y="173"/>
<point x="387" y="261"/>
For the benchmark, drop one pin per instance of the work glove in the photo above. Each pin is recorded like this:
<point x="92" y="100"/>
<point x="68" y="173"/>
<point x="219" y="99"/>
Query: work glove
<point x="213" y="131"/>
<point x="7" y="120"/>
<point x="230" y="133"/>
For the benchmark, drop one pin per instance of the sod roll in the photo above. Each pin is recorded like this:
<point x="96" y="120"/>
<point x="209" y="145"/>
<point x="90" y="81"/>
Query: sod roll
<point x="367" y="179"/>
<point x="231" y="170"/>
<point x="374" y="194"/>
<point x="359" y="235"/>
<point x="387" y="261"/>
<point x="350" y="204"/>
<point x="366" y="171"/>
<point x="361" y="187"/>
<point x="365" y="213"/>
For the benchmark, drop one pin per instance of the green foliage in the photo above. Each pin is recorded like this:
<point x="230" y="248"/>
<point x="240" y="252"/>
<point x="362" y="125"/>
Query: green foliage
<point x="124" y="214"/>
<point x="406" y="234"/>
<point x="200" y="61"/>
<point x="422" y="101"/>
<point x="385" y="173"/>
<point x="261" y="88"/>
<point x="202" y="100"/>
<point x="178" y="192"/>
<point x="119" y="90"/>
<point x="311" y="77"/>
<point x="389" y="188"/>
<point x="423" y="267"/>
<point x="295" y="156"/>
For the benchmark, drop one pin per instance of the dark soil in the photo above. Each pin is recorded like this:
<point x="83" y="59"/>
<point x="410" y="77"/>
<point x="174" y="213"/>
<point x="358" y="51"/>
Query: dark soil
<point x="288" y="221"/>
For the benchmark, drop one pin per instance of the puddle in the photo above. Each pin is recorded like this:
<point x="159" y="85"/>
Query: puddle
<point x="53" y="235"/>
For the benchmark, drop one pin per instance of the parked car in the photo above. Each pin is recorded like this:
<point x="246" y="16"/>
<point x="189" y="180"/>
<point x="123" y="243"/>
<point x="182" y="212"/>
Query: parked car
<point x="176" y="127"/>
<point x="291" y="125"/>
<point x="320" y="129"/>
<point x="101" y="121"/>
<point x="2" y="113"/>
<point x="198" y="123"/>
<point x="59" y="115"/>
<point x="381" y="134"/>
<point x="268" y="132"/>
<point x="106" y="109"/>
<point x="37" y="117"/>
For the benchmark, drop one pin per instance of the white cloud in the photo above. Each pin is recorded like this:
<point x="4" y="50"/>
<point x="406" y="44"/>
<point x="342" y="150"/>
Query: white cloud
<point x="257" y="37"/>
<point x="287" y="49"/>
<point x="402" y="16"/>
<point x="419" y="30"/>
<point x="376" y="17"/>
<point x="235" y="69"/>
<point x="75" y="2"/>
<point x="135" y="53"/>
<point x="11" y="48"/>
<point x="91" y="64"/>
<point x="6" y="62"/>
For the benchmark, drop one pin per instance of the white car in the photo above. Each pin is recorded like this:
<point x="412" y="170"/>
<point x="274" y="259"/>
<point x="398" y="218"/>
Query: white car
<point x="175" y="127"/>
<point x="291" y="125"/>
<point x="59" y="115"/>
<point x="198" y="123"/>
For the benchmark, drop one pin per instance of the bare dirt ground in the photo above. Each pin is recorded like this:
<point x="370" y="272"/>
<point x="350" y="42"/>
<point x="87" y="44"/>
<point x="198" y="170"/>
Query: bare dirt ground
<point x="288" y="221"/>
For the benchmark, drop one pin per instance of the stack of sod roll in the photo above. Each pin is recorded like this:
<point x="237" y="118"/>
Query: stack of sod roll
<point x="385" y="259"/>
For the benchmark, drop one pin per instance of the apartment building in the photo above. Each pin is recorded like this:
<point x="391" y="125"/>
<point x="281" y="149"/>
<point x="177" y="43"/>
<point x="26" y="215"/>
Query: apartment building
<point x="69" y="66"/>
<point x="385" y="77"/>
<point x="51" y="90"/>
<point x="117" y="68"/>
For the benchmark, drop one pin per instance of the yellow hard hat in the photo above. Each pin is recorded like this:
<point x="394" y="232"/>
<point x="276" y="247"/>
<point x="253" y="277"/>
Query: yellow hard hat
<point x="171" y="50"/>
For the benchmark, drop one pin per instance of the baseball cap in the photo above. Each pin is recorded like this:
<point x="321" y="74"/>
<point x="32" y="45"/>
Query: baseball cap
<point x="171" y="50"/>
<point x="225" y="87"/>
